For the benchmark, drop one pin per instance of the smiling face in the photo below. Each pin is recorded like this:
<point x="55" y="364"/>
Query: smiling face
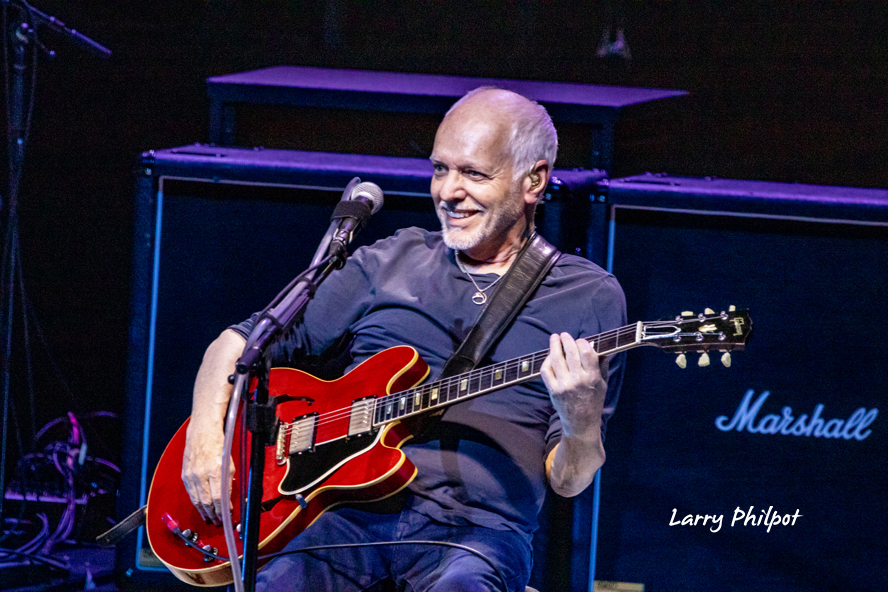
<point x="482" y="207"/>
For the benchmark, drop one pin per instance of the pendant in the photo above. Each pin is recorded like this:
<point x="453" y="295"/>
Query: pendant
<point x="479" y="298"/>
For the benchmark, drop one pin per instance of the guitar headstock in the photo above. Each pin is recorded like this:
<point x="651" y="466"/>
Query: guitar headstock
<point x="687" y="332"/>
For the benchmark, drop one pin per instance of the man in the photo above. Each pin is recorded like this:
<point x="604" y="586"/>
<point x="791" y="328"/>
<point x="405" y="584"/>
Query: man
<point x="482" y="469"/>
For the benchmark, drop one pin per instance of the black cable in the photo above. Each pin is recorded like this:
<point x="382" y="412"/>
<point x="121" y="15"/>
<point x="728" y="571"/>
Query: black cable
<point x="37" y="558"/>
<point x="96" y="433"/>
<point x="32" y="545"/>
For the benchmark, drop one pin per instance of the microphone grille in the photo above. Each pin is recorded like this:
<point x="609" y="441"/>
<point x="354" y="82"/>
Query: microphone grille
<point x="369" y="191"/>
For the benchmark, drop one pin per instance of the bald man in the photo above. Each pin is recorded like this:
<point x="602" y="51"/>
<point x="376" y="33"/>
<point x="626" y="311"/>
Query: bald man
<point x="483" y="469"/>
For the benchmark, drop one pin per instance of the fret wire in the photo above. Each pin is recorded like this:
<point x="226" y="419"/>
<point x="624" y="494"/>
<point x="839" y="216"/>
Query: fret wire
<point x="432" y="395"/>
<point x="480" y="376"/>
<point x="455" y="382"/>
<point x="511" y="372"/>
<point x="444" y="393"/>
<point x="424" y="398"/>
<point x="617" y="339"/>
<point x="474" y="382"/>
<point x="499" y="374"/>
<point x="485" y="379"/>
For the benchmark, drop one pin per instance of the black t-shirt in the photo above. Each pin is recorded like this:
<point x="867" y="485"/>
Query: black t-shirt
<point x="484" y="462"/>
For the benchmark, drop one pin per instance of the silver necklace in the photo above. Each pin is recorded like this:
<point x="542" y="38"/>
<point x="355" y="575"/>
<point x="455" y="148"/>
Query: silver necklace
<point x="479" y="297"/>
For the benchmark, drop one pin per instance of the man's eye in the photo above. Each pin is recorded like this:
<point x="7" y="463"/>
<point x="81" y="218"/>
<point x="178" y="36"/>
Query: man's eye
<point x="440" y="168"/>
<point x="473" y="174"/>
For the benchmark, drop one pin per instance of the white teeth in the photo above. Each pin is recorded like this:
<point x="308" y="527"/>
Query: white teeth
<point x="462" y="214"/>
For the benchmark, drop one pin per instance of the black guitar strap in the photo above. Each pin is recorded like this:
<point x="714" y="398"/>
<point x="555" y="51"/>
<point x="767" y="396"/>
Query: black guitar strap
<point x="522" y="279"/>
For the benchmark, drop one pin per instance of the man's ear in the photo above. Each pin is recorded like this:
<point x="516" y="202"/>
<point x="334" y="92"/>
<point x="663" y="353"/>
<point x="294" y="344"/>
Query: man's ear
<point x="536" y="181"/>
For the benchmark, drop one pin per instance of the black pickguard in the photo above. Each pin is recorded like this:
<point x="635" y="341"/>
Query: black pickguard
<point x="306" y="467"/>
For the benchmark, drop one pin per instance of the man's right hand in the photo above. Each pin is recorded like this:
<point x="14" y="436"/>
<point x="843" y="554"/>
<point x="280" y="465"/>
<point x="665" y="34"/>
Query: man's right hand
<point x="204" y="438"/>
<point x="202" y="470"/>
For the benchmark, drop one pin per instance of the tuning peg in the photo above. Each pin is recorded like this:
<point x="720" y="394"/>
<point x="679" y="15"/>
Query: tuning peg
<point x="687" y="313"/>
<point x="726" y="359"/>
<point x="682" y="361"/>
<point x="709" y="311"/>
<point x="704" y="360"/>
<point x="732" y="308"/>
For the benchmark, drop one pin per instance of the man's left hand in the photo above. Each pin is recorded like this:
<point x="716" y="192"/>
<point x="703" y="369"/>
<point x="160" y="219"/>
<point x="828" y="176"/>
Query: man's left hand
<point x="577" y="381"/>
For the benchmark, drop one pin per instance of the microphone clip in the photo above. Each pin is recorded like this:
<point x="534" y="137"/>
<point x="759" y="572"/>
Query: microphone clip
<point x="355" y="211"/>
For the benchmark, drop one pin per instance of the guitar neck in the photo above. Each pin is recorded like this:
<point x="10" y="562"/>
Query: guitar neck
<point x="480" y="381"/>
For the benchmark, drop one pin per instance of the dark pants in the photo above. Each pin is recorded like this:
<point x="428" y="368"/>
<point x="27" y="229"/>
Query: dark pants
<point x="413" y="568"/>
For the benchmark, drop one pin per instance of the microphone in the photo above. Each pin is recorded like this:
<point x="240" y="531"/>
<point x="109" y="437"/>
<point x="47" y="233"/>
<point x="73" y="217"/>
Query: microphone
<point x="364" y="201"/>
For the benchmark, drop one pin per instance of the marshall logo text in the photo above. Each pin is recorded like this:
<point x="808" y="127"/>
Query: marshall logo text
<point x="746" y="418"/>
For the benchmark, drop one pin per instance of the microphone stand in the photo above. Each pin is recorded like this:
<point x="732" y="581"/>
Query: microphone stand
<point x="22" y="32"/>
<point x="259" y="414"/>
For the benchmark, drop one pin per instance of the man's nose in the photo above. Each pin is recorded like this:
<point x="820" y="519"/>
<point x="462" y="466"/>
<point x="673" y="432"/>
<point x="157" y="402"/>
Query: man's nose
<point x="451" y="187"/>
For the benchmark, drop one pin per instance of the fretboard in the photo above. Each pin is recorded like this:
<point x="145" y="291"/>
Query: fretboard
<point x="480" y="381"/>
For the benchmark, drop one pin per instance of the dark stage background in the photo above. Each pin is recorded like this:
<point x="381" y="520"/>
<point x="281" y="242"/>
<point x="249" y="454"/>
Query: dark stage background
<point x="780" y="91"/>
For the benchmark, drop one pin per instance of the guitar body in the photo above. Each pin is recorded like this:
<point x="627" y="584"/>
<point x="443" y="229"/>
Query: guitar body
<point x="336" y="469"/>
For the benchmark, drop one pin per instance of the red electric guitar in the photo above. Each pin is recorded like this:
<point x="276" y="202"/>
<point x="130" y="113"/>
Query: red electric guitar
<point x="340" y="441"/>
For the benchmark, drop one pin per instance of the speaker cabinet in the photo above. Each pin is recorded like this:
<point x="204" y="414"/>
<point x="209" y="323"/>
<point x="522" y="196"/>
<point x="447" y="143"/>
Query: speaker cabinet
<point x="793" y="434"/>
<point x="219" y="231"/>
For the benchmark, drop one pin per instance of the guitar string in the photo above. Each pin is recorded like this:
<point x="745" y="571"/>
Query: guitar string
<point x="534" y="358"/>
<point x="481" y="375"/>
<point x="478" y="374"/>
<point x="443" y="384"/>
<point x="343" y="413"/>
<point x="488" y="371"/>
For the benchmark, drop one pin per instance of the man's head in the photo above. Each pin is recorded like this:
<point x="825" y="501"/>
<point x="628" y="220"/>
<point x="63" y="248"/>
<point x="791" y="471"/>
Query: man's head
<point x="532" y="135"/>
<point x="493" y="154"/>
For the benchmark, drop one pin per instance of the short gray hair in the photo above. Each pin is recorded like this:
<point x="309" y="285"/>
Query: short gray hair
<point x="533" y="136"/>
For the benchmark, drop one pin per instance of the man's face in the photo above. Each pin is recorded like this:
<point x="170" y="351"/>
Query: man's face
<point x="473" y="187"/>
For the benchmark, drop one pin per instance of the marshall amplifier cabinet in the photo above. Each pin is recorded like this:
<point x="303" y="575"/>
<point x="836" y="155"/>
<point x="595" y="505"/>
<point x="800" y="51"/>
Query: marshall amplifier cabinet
<point x="768" y="474"/>
<point x="219" y="231"/>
